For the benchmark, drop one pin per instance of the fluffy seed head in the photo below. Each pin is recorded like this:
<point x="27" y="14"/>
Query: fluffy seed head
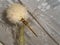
<point x="16" y="12"/>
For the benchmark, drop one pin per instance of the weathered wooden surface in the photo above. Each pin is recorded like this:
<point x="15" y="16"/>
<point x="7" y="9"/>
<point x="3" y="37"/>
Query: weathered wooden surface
<point x="49" y="18"/>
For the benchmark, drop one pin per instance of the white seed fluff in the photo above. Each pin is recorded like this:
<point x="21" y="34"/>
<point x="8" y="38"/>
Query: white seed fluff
<point x="1" y="43"/>
<point x="16" y="12"/>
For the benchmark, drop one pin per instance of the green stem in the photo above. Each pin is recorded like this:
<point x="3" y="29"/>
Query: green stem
<point x="21" y="36"/>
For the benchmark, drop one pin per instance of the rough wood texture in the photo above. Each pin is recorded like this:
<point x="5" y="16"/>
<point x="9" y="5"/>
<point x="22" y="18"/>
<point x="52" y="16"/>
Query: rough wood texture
<point x="49" y="18"/>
